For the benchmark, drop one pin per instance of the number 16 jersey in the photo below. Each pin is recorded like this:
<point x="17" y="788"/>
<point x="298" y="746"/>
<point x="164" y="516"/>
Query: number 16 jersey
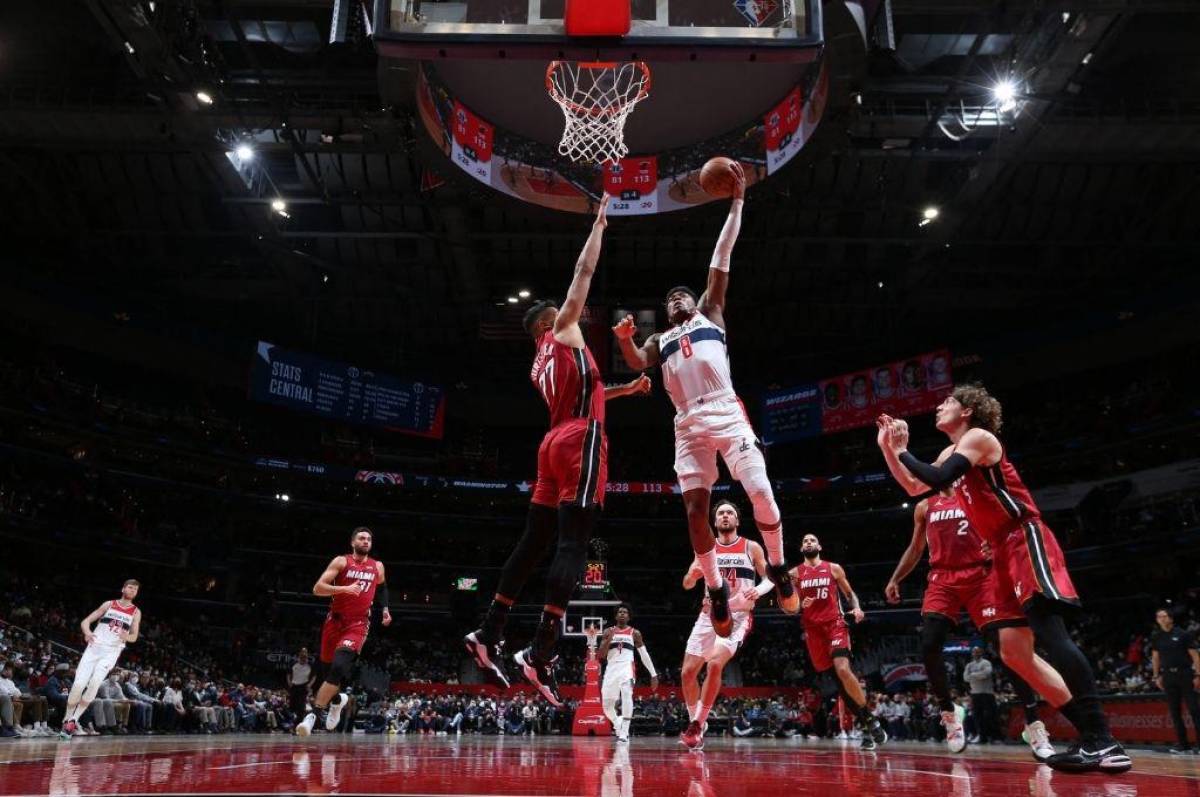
<point x="817" y="582"/>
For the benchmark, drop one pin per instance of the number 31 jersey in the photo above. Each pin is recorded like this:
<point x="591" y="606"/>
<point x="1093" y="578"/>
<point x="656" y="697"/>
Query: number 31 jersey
<point x="568" y="380"/>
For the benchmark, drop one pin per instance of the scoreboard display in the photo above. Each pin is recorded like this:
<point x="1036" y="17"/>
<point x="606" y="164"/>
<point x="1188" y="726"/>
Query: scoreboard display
<point x="595" y="577"/>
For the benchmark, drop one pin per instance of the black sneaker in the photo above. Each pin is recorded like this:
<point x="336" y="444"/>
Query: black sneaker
<point x="1092" y="755"/>
<point x="541" y="676"/>
<point x="718" y="610"/>
<point x="785" y="592"/>
<point x="875" y="732"/>
<point x="487" y="656"/>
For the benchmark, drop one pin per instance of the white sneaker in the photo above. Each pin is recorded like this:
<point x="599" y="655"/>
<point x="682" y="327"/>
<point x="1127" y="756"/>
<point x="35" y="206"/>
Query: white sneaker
<point x="335" y="711"/>
<point x="1038" y="739"/>
<point x="22" y="731"/>
<point x="43" y="729"/>
<point x="306" y="726"/>
<point x="956" y="739"/>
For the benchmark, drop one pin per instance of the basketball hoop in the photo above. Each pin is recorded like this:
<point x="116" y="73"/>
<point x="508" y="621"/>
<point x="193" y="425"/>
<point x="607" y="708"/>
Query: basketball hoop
<point x="593" y="634"/>
<point x="596" y="98"/>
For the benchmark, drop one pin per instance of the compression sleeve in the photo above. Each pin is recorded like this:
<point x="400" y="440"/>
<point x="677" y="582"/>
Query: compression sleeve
<point x="381" y="596"/>
<point x="645" y="654"/>
<point x="936" y="476"/>
<point x="729" y="234"/>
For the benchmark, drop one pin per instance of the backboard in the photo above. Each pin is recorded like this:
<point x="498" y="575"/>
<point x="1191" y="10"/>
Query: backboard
<point x="692" y="30"/>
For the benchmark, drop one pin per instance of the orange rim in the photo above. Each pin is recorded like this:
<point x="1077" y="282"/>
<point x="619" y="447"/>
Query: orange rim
<point x="592" y="65"/>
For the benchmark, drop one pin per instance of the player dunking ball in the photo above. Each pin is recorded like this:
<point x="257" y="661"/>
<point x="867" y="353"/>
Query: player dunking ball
<point x="710" y="419"/>
<point x="962" y="578"/>
<point x="620" y="671"/>
<point x="1030" y="563"/>
<point x="739" y="559"/>
<point x="572" y="472"/>
<point x="354" y="582"/>
<point x="826" y="632"/>
<point x="116" y="624"/>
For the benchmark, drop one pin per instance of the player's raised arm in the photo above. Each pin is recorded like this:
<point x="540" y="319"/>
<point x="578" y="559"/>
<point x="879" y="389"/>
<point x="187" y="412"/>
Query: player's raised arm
<point x="712" y="303"/>
<point x="912" y="554"/>
<point x="638" y="358"/>
<point x="839" y="575"/>
<point x="325" y="586"/>
<point x="977" y="446"/>
<point x="566" y="324"/>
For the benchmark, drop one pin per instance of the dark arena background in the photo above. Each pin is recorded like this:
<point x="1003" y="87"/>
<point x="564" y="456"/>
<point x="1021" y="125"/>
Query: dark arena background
<point x="263" y="280"/>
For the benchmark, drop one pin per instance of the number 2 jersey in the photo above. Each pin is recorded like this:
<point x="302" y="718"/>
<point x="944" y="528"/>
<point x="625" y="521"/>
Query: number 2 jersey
<point x="116" y="618"/>
<point x="366" y="573"/>
<point x="953" y="543"/>
<point x="568" y="380"/>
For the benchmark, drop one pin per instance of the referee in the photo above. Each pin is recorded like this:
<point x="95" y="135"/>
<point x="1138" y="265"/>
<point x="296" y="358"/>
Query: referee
<point x="1176" y="665"/>
<point x="300" y="682"/>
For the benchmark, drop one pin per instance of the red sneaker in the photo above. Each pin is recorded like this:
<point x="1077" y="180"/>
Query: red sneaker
<point x="693" y="736"/>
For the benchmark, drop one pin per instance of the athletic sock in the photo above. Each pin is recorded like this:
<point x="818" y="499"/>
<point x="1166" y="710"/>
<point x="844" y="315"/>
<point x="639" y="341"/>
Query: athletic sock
<point x="773" y="542"/>
<point x="708" y="566"/>
<point x="495" y="620"/>
<point x="1031" y="713"/>
<point x="693" y="710"/>
<point x="546" y="636"/>
<point x="702" y="714"/>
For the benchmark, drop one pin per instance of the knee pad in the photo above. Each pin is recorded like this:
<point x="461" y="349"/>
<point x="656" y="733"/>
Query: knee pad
<point x="341" y="669"/>
<point x="762" y="497"/>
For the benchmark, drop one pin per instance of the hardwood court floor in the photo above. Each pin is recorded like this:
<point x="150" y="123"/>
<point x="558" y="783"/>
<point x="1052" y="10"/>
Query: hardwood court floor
<point x="359" y="764"/>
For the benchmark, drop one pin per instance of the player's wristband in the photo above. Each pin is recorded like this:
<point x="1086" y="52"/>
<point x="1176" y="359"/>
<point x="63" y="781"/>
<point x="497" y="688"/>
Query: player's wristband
<point x="381" y="596"/>
<point x="764" y="586"/>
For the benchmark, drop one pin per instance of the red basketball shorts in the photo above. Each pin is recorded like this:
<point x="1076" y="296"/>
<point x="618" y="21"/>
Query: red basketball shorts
<point x="824" y="640"/>
<point x="572" y="465"/>
<point x="1036" y="565"/>
<point x="978" y="591"/>
<point x="343" y="632"/>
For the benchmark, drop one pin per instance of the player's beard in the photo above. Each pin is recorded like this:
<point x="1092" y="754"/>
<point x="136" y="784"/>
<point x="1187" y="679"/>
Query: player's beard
<point x="809" y="555"/>
<point x="360" y="551"/>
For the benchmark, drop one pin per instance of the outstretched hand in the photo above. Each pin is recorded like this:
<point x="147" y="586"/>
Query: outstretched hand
<point x="625" y="328"/>
<point x="739" y="180"/>
<point x="898" y="438"/>
<point x="640" y="386"/>
<point x="602" y="212"/>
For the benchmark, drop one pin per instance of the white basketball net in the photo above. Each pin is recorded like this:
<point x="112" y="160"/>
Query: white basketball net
<point x="596" y="99"/>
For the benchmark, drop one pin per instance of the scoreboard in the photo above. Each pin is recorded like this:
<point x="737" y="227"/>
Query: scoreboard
<point x="595" y="577"/>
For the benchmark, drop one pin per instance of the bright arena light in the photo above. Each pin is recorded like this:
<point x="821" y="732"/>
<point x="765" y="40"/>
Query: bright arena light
<point x="244" y="152"/>
<point x="931" y="213"/>
<point x="204" y="97"/>
<point x="512" y="299"/>
<point x="278" y="205"/>
<point x="1005" y="94"/>
<point x="523" y="294"/>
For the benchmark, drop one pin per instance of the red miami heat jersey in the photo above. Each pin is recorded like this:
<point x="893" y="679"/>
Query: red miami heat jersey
<point x="364" y="573"/>
<point x="568" y="380"/>
<point x="953" y="543"/>
<point x="818" y="583"/>
<point x="995" y="499"/>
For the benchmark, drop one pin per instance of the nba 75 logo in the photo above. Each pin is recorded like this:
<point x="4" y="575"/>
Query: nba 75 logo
<point x="756" y="12"/>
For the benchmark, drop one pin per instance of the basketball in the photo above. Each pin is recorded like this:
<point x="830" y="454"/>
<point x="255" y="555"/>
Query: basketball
<point x="716" y="178"/>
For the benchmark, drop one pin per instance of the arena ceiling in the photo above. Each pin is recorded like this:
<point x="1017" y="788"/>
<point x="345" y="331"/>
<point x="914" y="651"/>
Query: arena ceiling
<point x="119" y="191"/>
